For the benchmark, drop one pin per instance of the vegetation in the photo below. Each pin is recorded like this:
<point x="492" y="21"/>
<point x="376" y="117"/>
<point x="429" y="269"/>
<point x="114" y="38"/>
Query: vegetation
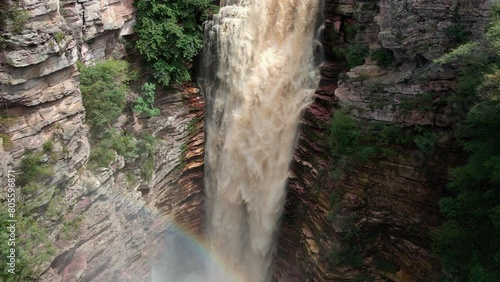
<point x="48" y="146"/>
<point x="384" y="265"/>
<point x="356" y="55"/>
<point x="170" y="34"/>
<point x="145" y="104"/>
<point x="469" y="239"/>
<point x="33" y="168"/>
<point x="16" y="17"/>
<point x="360" y="144"/>
<point x="104" y="89"/>
<point x="350" y="252"/>
<point x="59" y="36"/>
<point x="458" y="34"/>
<point x="33" y="245"/>
<point x="423" y="103"/>
<point x="140" y="150"/>
<point x="6" y="141"/>
<point x="383" y="56"/>
<point x="6" y="121"/>
<point x="355" y="142"/>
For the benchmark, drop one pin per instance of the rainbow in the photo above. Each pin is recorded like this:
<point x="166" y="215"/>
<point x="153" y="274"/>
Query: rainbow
<point x="196" y="247"/>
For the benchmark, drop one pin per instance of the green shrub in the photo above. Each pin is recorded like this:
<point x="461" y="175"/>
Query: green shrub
<point x="6" y="141"/>
<point x="48" y="146"/>
<point x="170" y="34"/>
<point x="59" y="36"/>
<point x="384" y="265"/>
<point x="350" y="31"/>
<point x="138" y="150"/>
<point x="145" y="104"/>
<point x="132" y="149"/>
<point x="146" y="146"/>
<point x="71" y="226"/>
<point x="422" y="102"/>
<point x="426" y="142"/>
<point x="350" y="252"/>
<point x="147" y="168"/>
<point x="3" y="43"/>
<point x="55" y="208"/>
<point x="6" y="121"/>
<point x="33" y="169"/>
<point x="468" y="240"/>
<point x="101" y="157"/>
<point x="339" y="53"/>
<point x="458" y="34"/>
<point x="375" y="87"/>
<point x="356" y="55"/>
<point x="383" y="56"/>
<point x="104" y="88"/>
<point x="125" y="146"/>
<point x="360" y="144"/>
<point x="17" y="17"/>
<point x="33" y="246"/>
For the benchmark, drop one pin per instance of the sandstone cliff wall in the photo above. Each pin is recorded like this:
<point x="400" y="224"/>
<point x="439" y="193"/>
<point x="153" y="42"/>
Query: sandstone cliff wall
<point x="121" y="223"/>
<point x="387" y="208"/>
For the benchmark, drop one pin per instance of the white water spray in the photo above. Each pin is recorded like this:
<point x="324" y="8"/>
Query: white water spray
<point x="263" y="52"/>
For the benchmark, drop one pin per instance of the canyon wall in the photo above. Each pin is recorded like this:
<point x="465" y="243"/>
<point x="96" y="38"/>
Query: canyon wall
<point x="387" y="207"/>
<point x="119" y="226"/>
<point x="381" y="212"/>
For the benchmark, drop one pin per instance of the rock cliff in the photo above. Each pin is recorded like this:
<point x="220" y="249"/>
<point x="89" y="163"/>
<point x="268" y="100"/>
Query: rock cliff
<point x="119" y="223"/>
<point x="382" y="212"/>
<point x="388" y="208"/>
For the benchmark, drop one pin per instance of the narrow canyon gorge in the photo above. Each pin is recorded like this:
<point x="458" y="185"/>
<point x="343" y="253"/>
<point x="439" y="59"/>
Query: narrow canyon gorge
<point x="238" y="177"/>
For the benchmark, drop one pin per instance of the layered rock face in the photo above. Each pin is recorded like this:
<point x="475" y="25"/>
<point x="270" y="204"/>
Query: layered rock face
<point x="386" y="209"/>
<point x="121" y="223"/>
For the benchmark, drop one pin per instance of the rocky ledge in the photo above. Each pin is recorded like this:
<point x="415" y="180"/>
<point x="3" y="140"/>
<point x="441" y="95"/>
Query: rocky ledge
<point x="381" y="212"/>
<point x="120" y="224"/>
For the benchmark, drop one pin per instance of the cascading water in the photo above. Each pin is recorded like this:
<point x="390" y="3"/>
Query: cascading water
<point x="260" y="70"/>
<point x="263" y="52"/>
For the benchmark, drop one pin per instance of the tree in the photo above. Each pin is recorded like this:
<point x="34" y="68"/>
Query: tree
<point x="170" y="34"/>
<point x="145" y="104"/>
<point x="104" y="87"/>
<point x="469" y="239"/>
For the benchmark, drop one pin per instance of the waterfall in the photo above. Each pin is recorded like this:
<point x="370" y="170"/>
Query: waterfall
<point x="260" y="75"/>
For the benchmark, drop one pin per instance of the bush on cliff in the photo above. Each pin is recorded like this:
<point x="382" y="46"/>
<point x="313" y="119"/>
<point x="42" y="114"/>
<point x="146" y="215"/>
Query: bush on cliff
<point x="469" y="239"/>
<point x="145" y="103"/>
<point x="104" y="87"/>
<point x="356" y="55"/>
<point x="170" y="34"/>
<point x="32" y="246"/>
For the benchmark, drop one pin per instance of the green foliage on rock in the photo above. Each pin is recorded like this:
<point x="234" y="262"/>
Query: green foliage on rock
<point x="13" y="17"/>
<point x="357" y="142"/>
<point x="360" y="144"/>
<point x="385" y="265"/>
<point x="59" y="36"/>
<point x="383" y="56"/>
<point x="458" y="34"/>
<point x="6" y="141"/>
<point x="145" y="103"/>
<point x="170" y="34"/>
<point x="33" y="168"/>
<point x="356" y="55"/>
<point x="134" y="149"/>
<point x="469" y="239"/>
<point x="32" y="246"/>
<point x="104" y="88"/>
